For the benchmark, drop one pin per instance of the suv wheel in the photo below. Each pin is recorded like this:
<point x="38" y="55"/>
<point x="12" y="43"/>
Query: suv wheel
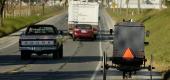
<point x="61" y="51"/>
<point x="25" y="55"/>
<point x="56" y="54"/>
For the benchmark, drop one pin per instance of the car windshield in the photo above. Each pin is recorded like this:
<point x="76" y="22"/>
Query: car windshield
<point x="84" y="26"/>
<point x="41" y="30"/>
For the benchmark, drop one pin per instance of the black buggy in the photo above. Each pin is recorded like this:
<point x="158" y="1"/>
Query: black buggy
<point x="128" y="49"/>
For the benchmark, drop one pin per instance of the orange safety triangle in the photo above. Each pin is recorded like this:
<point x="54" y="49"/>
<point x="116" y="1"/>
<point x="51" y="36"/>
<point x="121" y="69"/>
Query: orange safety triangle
<point x="128" y="55"/>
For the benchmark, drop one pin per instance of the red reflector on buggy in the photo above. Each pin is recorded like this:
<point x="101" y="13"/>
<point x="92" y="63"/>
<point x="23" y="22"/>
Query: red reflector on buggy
<point x="128" y="54"/>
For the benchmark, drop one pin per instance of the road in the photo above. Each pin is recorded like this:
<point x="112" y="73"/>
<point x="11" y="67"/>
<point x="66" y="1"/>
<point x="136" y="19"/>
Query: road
<point x="82" y="59"/>
<point x="79" y="63"/>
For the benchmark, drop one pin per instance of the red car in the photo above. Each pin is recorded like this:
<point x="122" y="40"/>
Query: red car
<point x="84" y="31"/>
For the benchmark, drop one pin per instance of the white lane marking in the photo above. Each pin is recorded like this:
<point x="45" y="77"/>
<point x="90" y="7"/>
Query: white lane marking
<point x="8" y="45"/>
<point x="100" y="63"/>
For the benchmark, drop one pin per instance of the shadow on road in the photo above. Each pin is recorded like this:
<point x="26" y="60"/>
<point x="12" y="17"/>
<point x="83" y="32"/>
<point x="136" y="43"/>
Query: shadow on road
<point x="140" y="75"/>
<point x="45" y="59"/>
<point x="167" y="75"/>
<point x="66" y="75"/>
<point x="57" y="75"/>
<point x="11" y="60"/>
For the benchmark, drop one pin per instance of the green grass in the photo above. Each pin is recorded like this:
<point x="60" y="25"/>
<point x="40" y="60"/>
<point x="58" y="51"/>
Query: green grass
<point x="158" y="22"/>
<point x="159" y="26"/>
<point x="13" y="24"/>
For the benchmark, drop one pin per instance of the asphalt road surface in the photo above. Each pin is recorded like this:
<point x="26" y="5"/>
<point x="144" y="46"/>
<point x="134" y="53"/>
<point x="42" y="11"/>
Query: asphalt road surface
<point x="82" y="59"/>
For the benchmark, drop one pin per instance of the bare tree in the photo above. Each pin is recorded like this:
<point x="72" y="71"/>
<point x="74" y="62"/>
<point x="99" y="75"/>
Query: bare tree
<point x="120" y="8"/>
<point x="127" y="7"/>
<point x="139" y="6"/>
<point x="65" y="3"/>
<point x="107" y="3"/>
<point x="162" y="2"/>
<point x="2" y="4"/>
<point x="29" y="7"/>
<point x="11" y="7"/>
<point x="43" y="6"/>
<point x="20" y="5"/>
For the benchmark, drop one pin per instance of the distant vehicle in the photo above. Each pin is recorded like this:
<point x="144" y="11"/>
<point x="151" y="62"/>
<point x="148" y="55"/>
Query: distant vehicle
<point x="128" y="49"/>
<point x="40" y="39"/>
<point x="84" y="31"/>
<point x="80" y="12"/>
<point x="99" y="1"/>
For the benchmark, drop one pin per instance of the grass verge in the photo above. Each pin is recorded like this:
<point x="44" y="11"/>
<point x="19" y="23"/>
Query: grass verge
<point x="13" y="24"/>
<point x="157" y="21"/>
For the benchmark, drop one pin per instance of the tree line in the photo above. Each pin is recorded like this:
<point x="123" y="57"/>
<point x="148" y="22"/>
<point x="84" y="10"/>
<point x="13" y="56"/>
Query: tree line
<point x="10" y="7"/>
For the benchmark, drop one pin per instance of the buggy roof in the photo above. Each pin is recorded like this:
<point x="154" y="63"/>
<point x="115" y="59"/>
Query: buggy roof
<point x="129" y="24"/>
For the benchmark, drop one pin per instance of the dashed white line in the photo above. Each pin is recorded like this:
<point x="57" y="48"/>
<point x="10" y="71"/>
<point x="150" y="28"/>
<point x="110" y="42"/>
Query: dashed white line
<point x="99" y="64"/>
<point x="8" y="45"/>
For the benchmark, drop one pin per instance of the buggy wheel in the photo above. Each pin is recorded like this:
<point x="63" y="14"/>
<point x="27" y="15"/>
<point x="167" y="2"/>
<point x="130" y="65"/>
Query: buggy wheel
<point x="124" y="75"/>
<point x="104" y="65"/>
<point x="151" y="66"/>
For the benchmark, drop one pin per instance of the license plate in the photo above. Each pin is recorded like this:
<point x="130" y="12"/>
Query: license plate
<point x="83" y="31"/>
<point x="37" y="43"/>
<point x="37" y="48"/>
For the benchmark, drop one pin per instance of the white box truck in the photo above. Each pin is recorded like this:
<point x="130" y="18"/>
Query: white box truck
<point x="81" y="12"/>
